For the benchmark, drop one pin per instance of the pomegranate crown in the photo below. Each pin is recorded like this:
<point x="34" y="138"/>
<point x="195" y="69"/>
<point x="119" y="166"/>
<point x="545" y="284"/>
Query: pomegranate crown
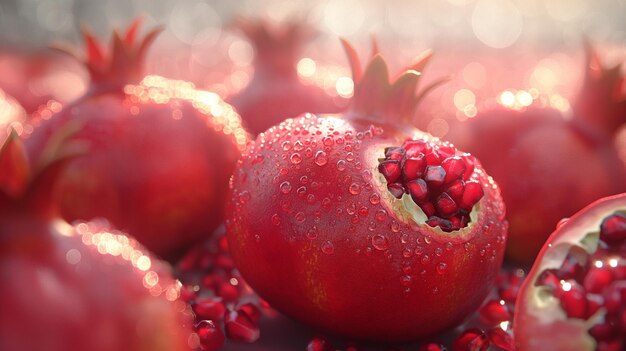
<point x="123" y="64"/>
<point x="276" y="45"/>
<point x="375" y="96"/>
<point x="602" y="98"/>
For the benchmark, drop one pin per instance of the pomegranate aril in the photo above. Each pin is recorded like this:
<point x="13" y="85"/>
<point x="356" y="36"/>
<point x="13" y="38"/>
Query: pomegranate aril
<point x="413" y="167"/>
<point x="613" y="345"/>
<point x="573" y="267"/>
<point x="494" y="312"/>
<point x="456" y="189"/>
<point x="318" y="343"/>
<point x="615" y="297"/>
<point x="472" y="194"/>
<point x="454" y="167"/>
<point x="471" y="340"/>
<point x="428" y="208"/>
<point x="548" y="278"/>
<point x="470" y="164"/>
<point x="433" y="158"/>
<point x="209" y="308"/>
<point x="446" y="151"/>
<point x="251" y="310"/>
<point x="603" y="331"/>
<point x="418" y="190"/>
<point x="435" y="176"/>
<point x="211" y="337"/>
<point x="446" y="206"/>
<point x="501" y="339"/>
<point x="573" y="300"/>
<point x="390" y="170"/>
<point x="444" y="224"/>
<point x="394" y="153"/>
<point x="597" y="278"/>
<point x="240" y="327"/>
<point x="613" y="229"/>
<point x="414" y="147"/>
<point x="432" y="346"/>
<point x="396" y="189"/>
<point x="228" y="292"/>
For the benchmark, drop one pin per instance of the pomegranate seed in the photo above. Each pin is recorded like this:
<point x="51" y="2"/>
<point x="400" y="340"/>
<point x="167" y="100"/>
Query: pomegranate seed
<point x="432" y="346"/>
<point x="494" y="312"/>
<point x="615" y="296"/>
<point x="472" y="194"/>
<point x="428" y="208"/>
<point x="456" y="189"/>
<point x="613" y="345"/>
<point x="501" y="339"/>
<point x="227" y="292"/>
<point x="188" y="293"/>
<point x="572" y="267"/>
<point x="414" y="147"/>
<point x="613" y="229"/>
<point x="240" y="327"/>
<point x="470" y="164"/>
<point x="447" y="150"/>
<point x="471" y="340"/>
<point x="413" y="167"/>
<point x="549" y="279"/>
<point x="210" y="308"/>
<point x="433" y="158"/>
<point x="394" y="153"/>
<point x="597" y="278"/>
<point x="418" y="190"/>
<point x="251" y="310"/>
<point x="435" y="176"/>
<point x="211" y="337"/>
<point x="318" y="343"/>
<point x="573" y="300"/>
<point x="446" y="206"/>
<point x="602" y="331"/>
<point x="390" y="170"/>
<point x="444" y="224"/>
<point x="225" y="262"/>
<point x="454" y="167"/>
<point x="396" y="189"/>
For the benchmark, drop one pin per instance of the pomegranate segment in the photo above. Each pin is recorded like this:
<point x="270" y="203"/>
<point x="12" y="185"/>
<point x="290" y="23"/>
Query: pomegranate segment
<point x="442" y="184"/>
<point x="577" y="288"/>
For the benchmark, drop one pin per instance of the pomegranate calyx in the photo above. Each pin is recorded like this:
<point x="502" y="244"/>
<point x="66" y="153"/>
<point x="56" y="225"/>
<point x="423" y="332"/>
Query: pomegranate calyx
<point x="376" y="97"/>
<point x="123" y="65"/>
<point x="440" y="182"/>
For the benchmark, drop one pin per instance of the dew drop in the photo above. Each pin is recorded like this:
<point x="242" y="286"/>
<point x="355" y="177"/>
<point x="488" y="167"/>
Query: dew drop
<point x="321" y="158"/>
<point x="295" y="158"/>
<point x="283" y="171"/>
<point x="328" y="248"/>
<point x="349" y="157"/>
<point x="374" y="199"/>
<point x="404" y="238"/>
<point x="310" y="198"/>
<point x="285" y="187"/>
<point x="363" y="211"/>
<point x="428" y="239"/>
<point x="312" y="233"/>
<point x="407" y="253"/>
<point x="298" y="146"/>
<point x="441" y="267"/>
<point x="300" y="217"/>
<point x="355" y="189"/>
<point x="366" y="174"/>
<point x="286" y="146"/>
<point x="275" y="219"/>
<point x="395" y="227"/>
<point x="380" y="242"/>
<point x="438" y="251"/>
<point x="326" y="203"/>
<point x="371" y="226"/>
<point x="304" y="179"/>
<point x="257" y="238"/>
<point x="328" y="141"/>
<point x="301" y="190"/>
<point x="341" y="165"/>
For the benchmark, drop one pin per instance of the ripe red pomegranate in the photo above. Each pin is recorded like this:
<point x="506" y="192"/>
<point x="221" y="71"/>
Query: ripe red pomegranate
<point x="575" y="295"/>
<point x="537" y="155"/>
<point x="161" y="151"/>
<point x="275" y="91"/>
<point x="361" y="225"/>
<point x="81" y="287"/>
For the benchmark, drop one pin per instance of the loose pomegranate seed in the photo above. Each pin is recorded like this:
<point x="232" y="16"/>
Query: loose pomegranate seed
<point x="501" y="339"/>
<point x="437" y="180"/>
<point x="471" y="340"/>
<point x="211" y="337"/>
<point x="613" y="229"/>
<point x="494" y="312"/>
<point x="209" y="308"/>
<point x="251" y="310"/>
<point x="240" y="327"/>
<point x="228" y="292"/>
<point x="432" y="346"/>
<point x="318" y="343"/>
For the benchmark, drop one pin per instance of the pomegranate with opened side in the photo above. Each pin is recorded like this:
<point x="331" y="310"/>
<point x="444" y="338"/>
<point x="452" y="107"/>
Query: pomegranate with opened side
<point x="361" y="225"/>
<point x="575" y="295"/>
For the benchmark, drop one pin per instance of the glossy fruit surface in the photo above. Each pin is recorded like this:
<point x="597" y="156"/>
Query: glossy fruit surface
<point x="575" y="295"/>
<point x="275" y="91"/>
<point x="539" y="156"/>
<point x="323" y="234"/>
<point x="161" y="151"/>
<point x="81" y="287"/>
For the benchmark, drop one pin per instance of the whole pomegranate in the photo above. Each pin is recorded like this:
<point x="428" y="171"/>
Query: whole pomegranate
<point x="361" y="225"/>
<point x="161" y="152"/>
<point x="539" y="156"/>
<point x="575" y="295"/>
<point x="275" y="91"/>
<point x="76" y="287"/>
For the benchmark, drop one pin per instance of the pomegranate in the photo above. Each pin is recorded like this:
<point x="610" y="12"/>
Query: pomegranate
<point x="536" y="154"/>
<point x="275" y="92"/>
<point x="161" y="151"/>
<point x="76" y="287"/>
<point x="575" y="295"/>
<point x="337" y="218"/>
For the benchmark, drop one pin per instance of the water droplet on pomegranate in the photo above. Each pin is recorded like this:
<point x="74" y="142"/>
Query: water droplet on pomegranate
<point x="366" y="174"/>
<point x="395" y="226"/>
<point x="425" y="259"/>
<point x="304" y="179"/>
<point x="285" y="187"/>
<point x="441" y="267"/>
<point x="328" y="248"/>
<point x="321" y="158"/>
<point x="286" y="146"/>
<point x="428" y="239"/>
<point x="298" y="146"/>
<point x="380" y="242"/>
<point x="355" y="189"/>
<point x="407" y="253"/>
<point x="328" y="141"/>
<point x="295" y="158"/>
<point x="405" y="280"/>
<point x="341" y="165"/>
<point x="300" y="217"/>
<point x="374" y="199"/>
<point x="275" y="219"/>
<point x="404" y="238"/>
<point x="312" y="233"/>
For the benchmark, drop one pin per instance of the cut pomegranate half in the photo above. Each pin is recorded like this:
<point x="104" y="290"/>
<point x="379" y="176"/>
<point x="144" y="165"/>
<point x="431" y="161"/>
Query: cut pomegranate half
<point x="575" y="295"/>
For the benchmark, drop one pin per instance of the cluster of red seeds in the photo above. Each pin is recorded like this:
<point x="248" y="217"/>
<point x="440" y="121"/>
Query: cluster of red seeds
<point x="220" y="299"/>
<point x="586" y="283"/>
<point x="437" y="180"/>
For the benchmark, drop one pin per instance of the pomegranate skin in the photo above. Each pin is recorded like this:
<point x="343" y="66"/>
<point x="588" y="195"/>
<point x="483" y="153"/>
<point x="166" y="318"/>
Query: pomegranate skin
<point x="541" y="322"/>
<point x="314" y="230"/>
<point x="538" y="157"/>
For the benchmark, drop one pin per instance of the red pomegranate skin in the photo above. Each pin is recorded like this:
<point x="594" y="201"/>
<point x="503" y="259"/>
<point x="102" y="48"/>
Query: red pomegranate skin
<point x="314" y="230"/>
<point x="541" y="322"/>
<point x="161" y="153"/>
<point x="275" y="92"/>
<point x="81" y="287"/>
<point x="548" y="163"/>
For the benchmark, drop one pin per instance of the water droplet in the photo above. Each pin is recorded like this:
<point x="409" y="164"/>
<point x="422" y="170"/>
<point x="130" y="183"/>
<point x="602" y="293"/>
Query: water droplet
<point x="295" y="158"/>
<point x="419" y="251"/>
<point x="374" y="199"/>
<point x="300" y="217"/>
<point x="355" y="189"/>
<point x="312" y="233"/>
<point x="286" y="146"/>
<point x="371" y="226"/>
<point x="339" y="140"/>
<point x="380" y="242"/>
<point x="298" y="146"/>
<point x="244" y="197"/>
<point x="257" y="238"/>
<point x="438" y="251"/>
<point x="310" y="198"/>
<point x="275" y="219"/>
<point x="467" y="246"/>
<point x="441" y="267"/>
<point x="328" y="141"/>
<point x="407" y="253"/>
<point x="367" y="175"/>
<point x="304" y="179"/>
<point x="301" y="190"/>
<point x="404" y="238"/>
<point x="349" y="156"/>
<point x="425" y="259"/>
<point x="328" y="248"/>
<point x="395" y="227"/>
<point x="285" y="187"/>
<point x="405" y="280"/>
<point x="326" y="203"/>
<point x="428" y="239"/>
<point x="283" y="171"/>
<point x="364" y="211"/>
<point x="321" y="158"/>
<point x="341" y="165"/>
